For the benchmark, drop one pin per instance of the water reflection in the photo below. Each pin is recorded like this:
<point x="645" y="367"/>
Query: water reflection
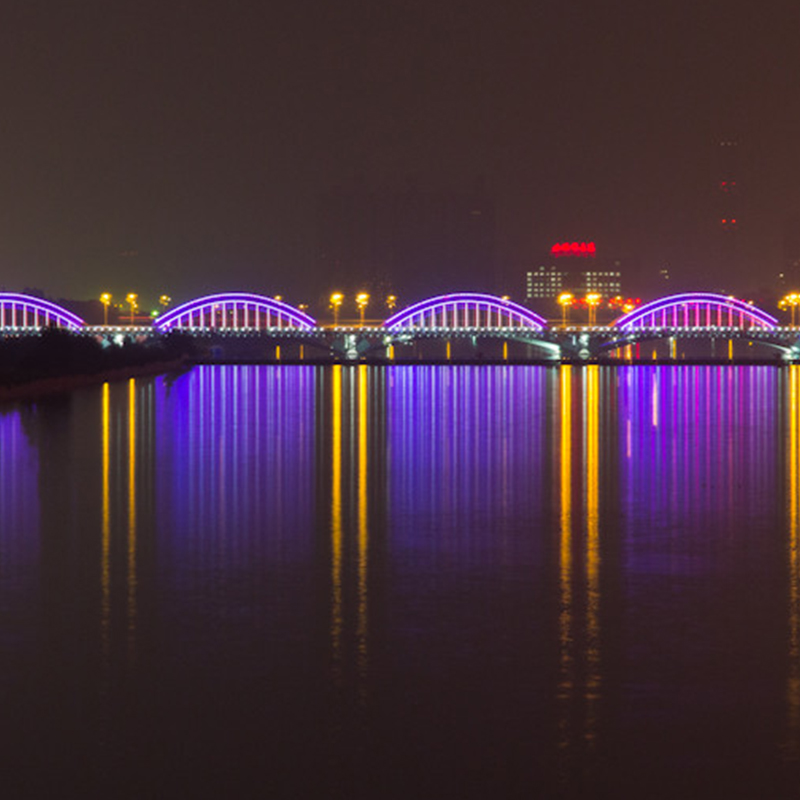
<point x="566" y="637"/>
<point x="105" y="528"/>
<point x="354" y="425"/>
<point x="579" y="691"/>
<point x="132" y="420"/>
<point x="793" y="458"/>
<point x="592" y="494"/>
<point x="19" y="540"/>
<point x="407" y="580"/>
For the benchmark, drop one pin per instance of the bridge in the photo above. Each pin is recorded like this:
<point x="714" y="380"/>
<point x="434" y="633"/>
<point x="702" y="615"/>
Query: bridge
<point x="240" y="322"/>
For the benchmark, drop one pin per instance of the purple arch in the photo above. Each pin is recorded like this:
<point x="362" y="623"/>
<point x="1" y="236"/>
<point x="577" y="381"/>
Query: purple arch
<point x="25" y="311"/>
<point x="473" y="308"/>
<point x="235" y="302"/>
<point x="696" y="309"/>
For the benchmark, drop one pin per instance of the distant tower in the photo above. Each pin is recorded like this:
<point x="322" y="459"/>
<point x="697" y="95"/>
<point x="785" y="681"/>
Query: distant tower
<point x="791" y="251"/>
<point x="728" y="201"/>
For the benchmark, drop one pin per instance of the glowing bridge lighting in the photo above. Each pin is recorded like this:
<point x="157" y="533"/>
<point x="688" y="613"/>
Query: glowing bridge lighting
<point x="697" y="310"/>
<point x="466" y="310"/>
<point x="24" y="311"/>
<point x="235" y="310"/>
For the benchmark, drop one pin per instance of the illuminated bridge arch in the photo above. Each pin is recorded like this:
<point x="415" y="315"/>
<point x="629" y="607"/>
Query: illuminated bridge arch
<point x="465" y="310"/>
<point x="234" y="310"/>
<point x="23" y="312"/>
<point x="697" y="310"/>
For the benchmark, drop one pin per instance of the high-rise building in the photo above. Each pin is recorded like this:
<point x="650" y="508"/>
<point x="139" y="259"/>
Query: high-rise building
<point x="728" y="207"/>
<point x="571" y="267"/>
<point x="791" y="251"/>
<point x="545" y="283"/>
<point x="607" y="282"/>
<point x="728" y="187"/>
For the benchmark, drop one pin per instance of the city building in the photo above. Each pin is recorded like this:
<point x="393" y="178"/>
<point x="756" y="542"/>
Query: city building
<point x="571" y="267"/>
<point x="607" y="282"/>
<point x="545" y="283"/>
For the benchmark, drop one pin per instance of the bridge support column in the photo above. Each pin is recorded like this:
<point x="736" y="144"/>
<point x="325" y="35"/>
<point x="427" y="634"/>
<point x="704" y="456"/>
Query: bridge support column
<point x="351" y="347"/>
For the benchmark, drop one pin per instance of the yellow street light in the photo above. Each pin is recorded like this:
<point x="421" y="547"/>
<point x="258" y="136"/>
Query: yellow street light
<point x="336" y="302"/>
<point x="565" y="300"/>
<point x="105" y="299"/>
<point x="132" y="300"/>
<point x="790" y="301"/>
<point x="593" y="300"/>
<point x="165" y="300"/>
<point x="391" y="302"/>
<point x="361" y="301"/>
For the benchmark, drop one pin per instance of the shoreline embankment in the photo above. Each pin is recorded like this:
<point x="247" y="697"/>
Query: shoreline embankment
<point x="61" y="384"/>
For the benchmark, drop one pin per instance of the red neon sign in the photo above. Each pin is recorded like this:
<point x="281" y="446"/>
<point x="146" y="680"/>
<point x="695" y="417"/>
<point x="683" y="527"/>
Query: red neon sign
<point x="573" y="249"/>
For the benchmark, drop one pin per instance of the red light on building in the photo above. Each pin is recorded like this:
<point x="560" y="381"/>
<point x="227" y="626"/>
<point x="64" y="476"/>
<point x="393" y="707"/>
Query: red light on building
<point x="573" y="249"/>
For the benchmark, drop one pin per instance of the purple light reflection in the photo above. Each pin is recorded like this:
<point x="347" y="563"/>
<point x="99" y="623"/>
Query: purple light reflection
<point x="469" y="445"/>
<point x="20" y="546"/>
<point x="229" y="477"/>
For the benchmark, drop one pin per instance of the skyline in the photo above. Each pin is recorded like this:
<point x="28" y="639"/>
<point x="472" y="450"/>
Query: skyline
<point x="167" y="147"/>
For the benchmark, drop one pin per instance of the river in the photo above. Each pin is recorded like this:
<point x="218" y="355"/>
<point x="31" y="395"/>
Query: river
<point x="404" y="581"/>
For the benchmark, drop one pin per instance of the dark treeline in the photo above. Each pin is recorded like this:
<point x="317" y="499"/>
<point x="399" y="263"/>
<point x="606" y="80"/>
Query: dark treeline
<point x="58" y="353"/>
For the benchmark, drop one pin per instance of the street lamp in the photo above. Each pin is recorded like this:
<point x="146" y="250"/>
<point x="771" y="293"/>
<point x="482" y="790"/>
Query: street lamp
<point x="565" y="300"/>
<point x="391" y="302"/>
<point x="336" y="302"/>
<point x="165" y="300"/>
<point x="105" y="299"/>
<point x="593" y="300"/>
<point x="361" y="301"/>
<point x="132" y="298"/>
<point x="791" y="301"/>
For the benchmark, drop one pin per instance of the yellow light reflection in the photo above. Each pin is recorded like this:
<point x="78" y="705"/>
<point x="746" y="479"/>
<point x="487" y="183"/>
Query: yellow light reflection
<point x="336" y="520"/>
<point x="363" y="539"/>
<point x="131" y="511"/>
<point x="592" y="459"/>
<point x="793" y="680"/>
<point x="566" y="680"/>
<point x="105" y="559"/>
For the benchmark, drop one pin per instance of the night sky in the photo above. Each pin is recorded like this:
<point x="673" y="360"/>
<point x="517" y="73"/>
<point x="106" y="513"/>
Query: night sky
<point x="182" y="147"/>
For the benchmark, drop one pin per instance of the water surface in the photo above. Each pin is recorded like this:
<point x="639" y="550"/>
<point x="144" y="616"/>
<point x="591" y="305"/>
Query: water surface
<point x="404" y="581"/>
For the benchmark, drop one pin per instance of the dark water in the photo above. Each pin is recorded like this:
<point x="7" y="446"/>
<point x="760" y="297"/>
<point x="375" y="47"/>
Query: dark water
<point x="404" y="582"/>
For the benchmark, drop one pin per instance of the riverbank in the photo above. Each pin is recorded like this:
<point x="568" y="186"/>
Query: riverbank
<point x="42" y="387"/>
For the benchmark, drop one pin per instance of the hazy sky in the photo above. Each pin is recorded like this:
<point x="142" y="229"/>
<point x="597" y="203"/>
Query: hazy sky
<point x="181" y="146"/>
